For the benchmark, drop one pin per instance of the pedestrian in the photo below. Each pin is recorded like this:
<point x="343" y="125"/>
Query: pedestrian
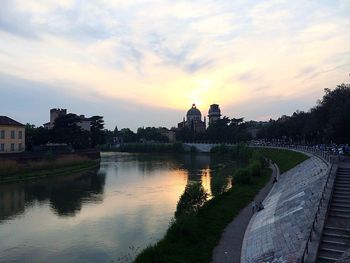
<point x="260" y="206"/>
<point x="274" y="180"/>
<point x="253" y="206"/>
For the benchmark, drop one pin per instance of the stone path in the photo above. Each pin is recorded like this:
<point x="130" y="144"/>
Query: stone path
<point x="229" y="248"/>
<point x="280" y="231"/>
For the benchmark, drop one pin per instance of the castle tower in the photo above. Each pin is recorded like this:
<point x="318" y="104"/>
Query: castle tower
<point x="54" y="114"/>
<point x="214" y="113"/>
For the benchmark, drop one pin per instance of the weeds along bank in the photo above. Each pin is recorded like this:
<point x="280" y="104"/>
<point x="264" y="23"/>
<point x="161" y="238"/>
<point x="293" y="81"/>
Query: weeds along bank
<point x="49" y="165"/>
<point x="198" y="224"/>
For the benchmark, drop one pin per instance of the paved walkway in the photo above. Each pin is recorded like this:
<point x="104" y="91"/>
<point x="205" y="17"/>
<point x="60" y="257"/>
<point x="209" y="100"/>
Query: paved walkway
<point x="229" y="248"/>
<point x="279" y="232"/>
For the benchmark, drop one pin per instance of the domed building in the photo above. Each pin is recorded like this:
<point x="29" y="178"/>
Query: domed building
<point x="193" y="120"/>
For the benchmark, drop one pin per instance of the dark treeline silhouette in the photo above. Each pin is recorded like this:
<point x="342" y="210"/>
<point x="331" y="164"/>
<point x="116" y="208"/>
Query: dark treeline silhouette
<point x="152" y="134"/>
<point x="223" y="130"/>
<point x="66" y="130"/>
<point x="327" y="122"/>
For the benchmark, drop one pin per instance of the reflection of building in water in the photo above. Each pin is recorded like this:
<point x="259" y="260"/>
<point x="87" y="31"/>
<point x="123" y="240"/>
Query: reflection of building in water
<point x="12" y="200"/>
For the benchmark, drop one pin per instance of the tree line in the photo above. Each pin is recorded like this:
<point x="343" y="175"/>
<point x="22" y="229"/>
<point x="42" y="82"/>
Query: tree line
<point x="327" y="122"/>
<point x="66" y="130"/>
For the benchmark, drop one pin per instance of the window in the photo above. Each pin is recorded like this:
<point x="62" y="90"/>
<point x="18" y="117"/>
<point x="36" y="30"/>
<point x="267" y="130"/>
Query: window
<point x="20" y="146"/>
<point x="12" y="147"/>
<point x="2" y="134"/>
<point x="12" y="134"/>
<point x="2" y="147"/>
<point x="20" y="135"/>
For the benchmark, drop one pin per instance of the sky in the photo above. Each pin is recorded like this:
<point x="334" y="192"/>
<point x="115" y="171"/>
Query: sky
<point x="143" y="63"/>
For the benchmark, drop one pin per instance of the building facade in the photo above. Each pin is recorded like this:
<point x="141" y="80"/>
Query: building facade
<point x="193" y="120"/>
<point x="12" y="136"/>
<point x="214" y="113"/>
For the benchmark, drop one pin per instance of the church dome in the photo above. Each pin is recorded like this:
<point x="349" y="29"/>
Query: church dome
<point x="194" y="111"/>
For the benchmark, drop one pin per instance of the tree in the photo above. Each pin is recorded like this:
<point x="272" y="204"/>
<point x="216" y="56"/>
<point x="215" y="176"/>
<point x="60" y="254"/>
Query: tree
<point x="128" y="135"/>
<point x="66" y="130"/>
<point x="97" y="133"/>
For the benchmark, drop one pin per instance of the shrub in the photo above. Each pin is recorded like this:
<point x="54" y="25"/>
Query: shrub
<point x="178" y="147"/>
<point x="257" y="155"/>
<point x="193" y="149"/>
<point x="242" y="176"/>
<point x="221" y="149"/>
<point x="255" y="168"/>
<point x="191" y="200"/>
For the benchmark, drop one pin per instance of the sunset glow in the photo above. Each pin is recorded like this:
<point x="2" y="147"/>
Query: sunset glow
<point x="119" y="55"/>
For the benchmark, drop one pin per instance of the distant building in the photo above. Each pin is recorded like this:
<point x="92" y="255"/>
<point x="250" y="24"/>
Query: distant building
<point x="85" y="123"/>
<point x="12" y="135"/>
<point x="170" y="134"/>
<point x="214" y="113"/>
<point x="193" y="120"/>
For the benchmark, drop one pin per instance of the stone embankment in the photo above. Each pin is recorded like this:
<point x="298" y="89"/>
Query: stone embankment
<point x="279" y="232"/>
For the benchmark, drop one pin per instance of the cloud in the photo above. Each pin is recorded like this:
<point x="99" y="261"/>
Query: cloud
<point x="168" y="54"/>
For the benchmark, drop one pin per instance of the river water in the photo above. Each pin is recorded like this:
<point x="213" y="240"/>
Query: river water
<point x="107" y="215"/>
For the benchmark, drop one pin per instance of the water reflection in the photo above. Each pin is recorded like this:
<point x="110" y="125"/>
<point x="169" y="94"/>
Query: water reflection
<point x="66" y="195"/>
<point x="97" y="216"/>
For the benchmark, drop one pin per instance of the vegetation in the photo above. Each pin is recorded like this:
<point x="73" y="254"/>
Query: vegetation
<point x="193" y="235"/>
<point x="14" y="171"/>
<point x="223" y="130"/>
<point x="151" y="147"/>
<point x="239" y="152"/>
<point x="191" y="200"/>
<point x="66" y="130"/>
<point x="284" y="159"/>
<point x="327" y="122"/>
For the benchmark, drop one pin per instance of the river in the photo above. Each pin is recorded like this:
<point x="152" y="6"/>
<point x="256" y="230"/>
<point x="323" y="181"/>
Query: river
<point x="107" y="215"/>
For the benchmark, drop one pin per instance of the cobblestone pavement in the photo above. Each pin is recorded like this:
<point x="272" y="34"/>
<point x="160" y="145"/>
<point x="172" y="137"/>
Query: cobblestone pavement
<point x="280" y="231"/>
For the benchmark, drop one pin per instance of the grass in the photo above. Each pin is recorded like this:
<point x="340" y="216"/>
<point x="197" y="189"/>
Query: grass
<point x="12" y="171"/>
<point x="284" y="159"/>
<point x="192" y="238"/>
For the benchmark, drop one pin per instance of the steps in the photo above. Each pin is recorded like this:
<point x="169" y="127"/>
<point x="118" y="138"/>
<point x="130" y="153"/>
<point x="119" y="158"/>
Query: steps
<point x="336" y="233"/>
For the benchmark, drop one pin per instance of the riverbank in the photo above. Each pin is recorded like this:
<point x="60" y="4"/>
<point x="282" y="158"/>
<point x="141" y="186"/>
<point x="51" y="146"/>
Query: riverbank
<point x="192" y="238"/>
<point x="11" y="170"/>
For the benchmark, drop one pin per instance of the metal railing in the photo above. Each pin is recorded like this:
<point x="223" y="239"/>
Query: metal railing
<point x="315" y="221"/>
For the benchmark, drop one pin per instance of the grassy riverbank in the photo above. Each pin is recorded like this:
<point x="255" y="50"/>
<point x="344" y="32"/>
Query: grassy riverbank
<point x="13" y="171"/>
<point x="284" y="159"/>
<point x="192" y="237"/>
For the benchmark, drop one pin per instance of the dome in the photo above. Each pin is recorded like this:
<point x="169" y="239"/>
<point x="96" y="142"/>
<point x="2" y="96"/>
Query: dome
<point x="194" y="111"/>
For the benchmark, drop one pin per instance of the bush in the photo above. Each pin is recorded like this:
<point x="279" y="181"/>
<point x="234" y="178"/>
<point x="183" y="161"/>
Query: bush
<point x="257" y="155"/>
<point x="242" y="176"/>
<point x="191" y="200"/>
<point x="193" y="149"/>
<point x="255" y="168"/>
<point x="221" y="149"/>
<point x="178" y="147"/>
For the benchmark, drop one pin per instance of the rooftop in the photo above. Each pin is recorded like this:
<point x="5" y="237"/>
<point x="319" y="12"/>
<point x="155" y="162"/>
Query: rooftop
<point x="4" y="120"/>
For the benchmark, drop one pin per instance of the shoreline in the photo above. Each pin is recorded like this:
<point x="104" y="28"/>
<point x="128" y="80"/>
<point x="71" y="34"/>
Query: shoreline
<point x="53" y="172"/>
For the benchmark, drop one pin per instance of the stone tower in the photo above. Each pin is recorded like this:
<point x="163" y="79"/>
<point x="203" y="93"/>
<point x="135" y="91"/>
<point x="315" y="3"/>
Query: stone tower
<point x="54" y="113"/>
<point x="214" y="113"/>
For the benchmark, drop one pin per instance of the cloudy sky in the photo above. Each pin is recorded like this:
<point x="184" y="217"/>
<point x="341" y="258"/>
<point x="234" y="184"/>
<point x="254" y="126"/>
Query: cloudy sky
<point x="144" y="62"/>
